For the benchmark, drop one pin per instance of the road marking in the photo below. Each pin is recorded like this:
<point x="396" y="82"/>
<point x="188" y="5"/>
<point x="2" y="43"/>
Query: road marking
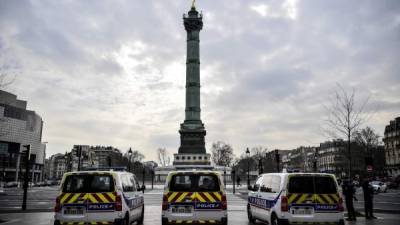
<point x="11" y="221"/>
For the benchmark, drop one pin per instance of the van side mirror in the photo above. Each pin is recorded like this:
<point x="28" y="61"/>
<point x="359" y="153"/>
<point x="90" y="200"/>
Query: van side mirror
<point x="142" y="188"/>
<point x="250" y="188"/>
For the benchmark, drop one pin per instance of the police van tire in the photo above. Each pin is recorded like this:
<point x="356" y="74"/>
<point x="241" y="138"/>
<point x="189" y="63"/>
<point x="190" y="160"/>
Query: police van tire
<point x="224" y="221"/>
<point x="275" y="220"/>
<point x="126" y="219"/>
<point x="250" y="215"/>
<point x="141" y="218"/>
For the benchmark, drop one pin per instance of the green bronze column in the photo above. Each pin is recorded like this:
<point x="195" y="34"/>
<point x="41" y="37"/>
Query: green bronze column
<point x="192" y="149"/>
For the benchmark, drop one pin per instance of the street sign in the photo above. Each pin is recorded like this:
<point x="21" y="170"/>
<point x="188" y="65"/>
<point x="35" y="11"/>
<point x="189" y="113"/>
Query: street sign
<point x="369" y="168"/>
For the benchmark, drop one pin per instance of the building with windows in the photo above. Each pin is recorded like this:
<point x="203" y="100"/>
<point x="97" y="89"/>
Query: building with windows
<point x="19" y="127"/>
<point x="57" y="166"/>
<point x="87" y="157"/>
<point x="392" y="147"/>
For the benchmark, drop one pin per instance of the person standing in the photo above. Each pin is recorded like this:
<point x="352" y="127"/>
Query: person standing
<point x="348" y="192"/>
<point x="368" y="198"/>
<point x="238" y="181"/>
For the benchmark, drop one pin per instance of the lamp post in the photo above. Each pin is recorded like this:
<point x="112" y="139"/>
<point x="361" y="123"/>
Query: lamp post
<point x="144" y="171"/>
<point x="129" y="159"/>
<point x="248" y="166"/>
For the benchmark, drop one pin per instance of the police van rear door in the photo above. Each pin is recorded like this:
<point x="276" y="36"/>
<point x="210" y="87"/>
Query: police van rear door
<point x="100" y="198"/>
<point x="301" y="195"/>
<point x="208" y="203"/>
<point x="311" y="194"/>
<point x="181" y="197"/>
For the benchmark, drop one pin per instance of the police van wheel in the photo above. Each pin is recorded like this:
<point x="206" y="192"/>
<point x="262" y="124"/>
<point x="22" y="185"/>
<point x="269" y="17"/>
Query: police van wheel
<point x="140" y="220"/>
<point x="164" y="221"/>
<point x="126" y="219"/>
<point x="250" y="215"/>
<point x="274" y="220"/>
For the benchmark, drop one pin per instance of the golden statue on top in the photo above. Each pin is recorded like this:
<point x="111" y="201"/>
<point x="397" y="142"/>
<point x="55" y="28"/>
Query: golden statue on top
<point x="193" y="4"/>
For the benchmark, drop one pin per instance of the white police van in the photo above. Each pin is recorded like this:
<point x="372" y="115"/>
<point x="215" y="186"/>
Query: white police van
<point x="194" y="197"/>
<point x="99" y="197"/>
<point x="295" y="198"/>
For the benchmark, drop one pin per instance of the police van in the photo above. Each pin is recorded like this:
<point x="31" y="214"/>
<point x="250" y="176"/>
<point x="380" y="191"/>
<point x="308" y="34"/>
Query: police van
<point x="194" y="197"/>
<point x="99" y="197"/>
<point x="295" y="198"/>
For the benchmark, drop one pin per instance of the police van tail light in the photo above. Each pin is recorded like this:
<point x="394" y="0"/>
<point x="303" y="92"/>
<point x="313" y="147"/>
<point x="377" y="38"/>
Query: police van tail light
<point x="57" y="207"/>
<point x="284" y="204"/>
<point x="340" y="205"/>
<point x="164" y="203"/>
<point x="118" y="203"/>
<point x="223" y="201"/>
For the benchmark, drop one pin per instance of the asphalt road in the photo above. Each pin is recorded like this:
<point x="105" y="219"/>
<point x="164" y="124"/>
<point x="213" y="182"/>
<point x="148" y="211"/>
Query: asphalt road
<point x="41" y="201"/>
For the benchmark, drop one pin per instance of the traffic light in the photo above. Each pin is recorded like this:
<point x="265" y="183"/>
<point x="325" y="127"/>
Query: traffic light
<point x="27" y="152"/>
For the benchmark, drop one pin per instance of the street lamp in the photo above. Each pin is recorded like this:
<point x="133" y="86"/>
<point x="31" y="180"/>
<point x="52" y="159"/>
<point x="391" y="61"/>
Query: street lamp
<point x="248" y="166"/>
<point x="129" y="159"/>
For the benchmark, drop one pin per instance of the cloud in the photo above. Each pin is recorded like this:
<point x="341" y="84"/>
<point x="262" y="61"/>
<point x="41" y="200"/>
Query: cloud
<point x="113" y="72"/>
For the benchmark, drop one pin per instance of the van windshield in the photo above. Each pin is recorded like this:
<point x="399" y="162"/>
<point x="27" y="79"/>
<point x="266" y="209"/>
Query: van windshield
<point x="194" y="182"/>
<point x="88" y="183"/>
<point x="312" y="184"/>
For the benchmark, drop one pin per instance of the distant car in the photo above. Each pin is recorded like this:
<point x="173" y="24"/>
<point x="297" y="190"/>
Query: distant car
<point x="378" y="186"/>
<point x="393" y="184"/>
<point x="11" y="184"/>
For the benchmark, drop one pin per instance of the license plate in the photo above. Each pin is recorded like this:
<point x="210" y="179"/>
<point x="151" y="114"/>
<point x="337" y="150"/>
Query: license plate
<point x="182" y="209"/>
<point x="302" y="211"/>
<point x="73" y="211"/>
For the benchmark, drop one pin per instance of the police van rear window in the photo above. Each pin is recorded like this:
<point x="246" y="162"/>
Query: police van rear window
<point x="194" y="182"/>
<point x="312" y="184"/>
<point x="88" y="183"/>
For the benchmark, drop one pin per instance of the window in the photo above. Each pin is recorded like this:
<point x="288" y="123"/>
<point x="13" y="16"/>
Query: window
<point x="183" y="157"/>
<point x="194" y="157"/>
<point x="266" y="184"/>
<point x="275" y="184"/>
<point x="188" y="157"/>
<point x="127" y="183"/>
<point x="257" y="184"/>
<point x="194" y="182"/>
<point x="88" y="183"/>
<point x="324" y="185"/>
<point x="177" y="157"/>
<point x="301" y="184"/>
<point x="312" y="184"/>
<point x="200" y="157"/>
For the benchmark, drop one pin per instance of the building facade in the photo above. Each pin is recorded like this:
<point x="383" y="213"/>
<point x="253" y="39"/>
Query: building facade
<point x="391" y="140"/>
<point x="87" y="157"/>
<point x="19" y="127"/>
<point x="57" y="166"/>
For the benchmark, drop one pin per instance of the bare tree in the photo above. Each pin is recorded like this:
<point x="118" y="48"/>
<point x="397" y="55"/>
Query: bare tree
<point x="367" y="138"/>
<point x="163" y="157"/>
<point x="137" y="156"/>
<point x="5" y="79"/>
<point x="344" y="117"/>
<point x="222" y="153"/>
<point x="258" y="153"/>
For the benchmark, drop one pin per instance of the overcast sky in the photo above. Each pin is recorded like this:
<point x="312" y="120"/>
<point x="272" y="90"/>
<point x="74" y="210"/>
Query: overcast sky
<point x="112" y="72"/>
